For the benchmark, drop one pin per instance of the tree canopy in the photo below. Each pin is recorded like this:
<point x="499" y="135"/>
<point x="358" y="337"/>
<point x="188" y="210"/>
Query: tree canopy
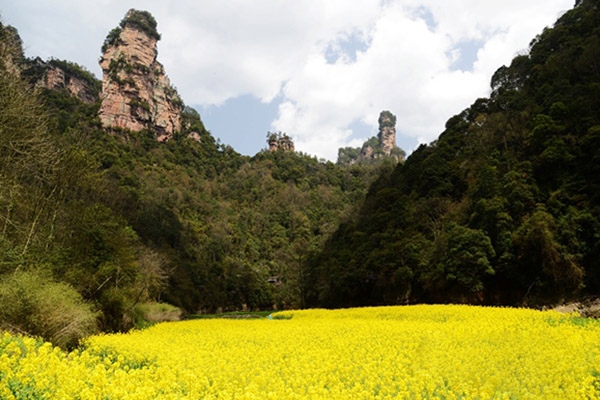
<point x="503" y="207"/>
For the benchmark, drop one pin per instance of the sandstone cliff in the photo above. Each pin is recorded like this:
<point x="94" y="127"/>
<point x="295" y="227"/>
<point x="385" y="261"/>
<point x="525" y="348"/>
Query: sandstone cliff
<point x="387" y="132"/>
<point x="64" y="75"/>
<point x="11" y="50"/>
<point x="381" y="147"/>
<point x="136" y="93"/>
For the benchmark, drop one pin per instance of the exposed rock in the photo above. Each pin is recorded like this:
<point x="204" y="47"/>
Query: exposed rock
<point x="195" y="136"/>
<point x="54" y="74"/>
<point x="366" y="152"/>
<point x="11" y="50"/>
<point x="280" y="141"/>
<point x="387" y="132"/>
<point x="136" y="93"/>
<point x="60" y="75"/>
<point x="381" y="147"/>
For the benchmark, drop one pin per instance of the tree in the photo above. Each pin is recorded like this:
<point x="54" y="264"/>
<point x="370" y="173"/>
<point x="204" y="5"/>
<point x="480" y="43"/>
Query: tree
<point x="543" y="260"/>
<point x="28" y="162"/>
<point x="468" y="258"/>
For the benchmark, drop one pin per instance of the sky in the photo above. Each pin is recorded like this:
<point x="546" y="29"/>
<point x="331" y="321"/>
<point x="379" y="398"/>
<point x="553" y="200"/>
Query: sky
<point x="319" y="70"/>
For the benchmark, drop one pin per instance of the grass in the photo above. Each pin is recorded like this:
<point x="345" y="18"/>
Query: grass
<point x="232" y="315"/>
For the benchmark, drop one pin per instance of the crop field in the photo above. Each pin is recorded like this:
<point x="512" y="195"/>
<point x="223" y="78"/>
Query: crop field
<point x="409" y="352"/>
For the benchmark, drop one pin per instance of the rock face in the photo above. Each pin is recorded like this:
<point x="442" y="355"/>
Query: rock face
<point x="387" y="132"/>
<point x="136" y="93"/>
<point x="11" y="50"/>
<point x="59" y="75"/>
<point x="381" y="147"/>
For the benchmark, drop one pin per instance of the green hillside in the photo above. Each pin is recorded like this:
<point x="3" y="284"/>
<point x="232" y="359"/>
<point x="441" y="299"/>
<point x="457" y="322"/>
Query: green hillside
<point x="504" y="207"/>
<point x="117" y="219"/>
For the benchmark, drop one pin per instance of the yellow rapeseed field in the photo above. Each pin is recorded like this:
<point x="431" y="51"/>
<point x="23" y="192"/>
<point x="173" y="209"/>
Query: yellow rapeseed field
<point x="411" y="352"/>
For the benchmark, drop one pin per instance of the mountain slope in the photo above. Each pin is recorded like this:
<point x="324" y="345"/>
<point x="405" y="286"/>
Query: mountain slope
<point x="504" y="207"/>
<point x="114" y="220"/>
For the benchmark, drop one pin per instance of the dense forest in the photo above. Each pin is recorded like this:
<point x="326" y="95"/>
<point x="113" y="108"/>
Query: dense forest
<point x="503" y="208"/>
<point x="100" y="230"/>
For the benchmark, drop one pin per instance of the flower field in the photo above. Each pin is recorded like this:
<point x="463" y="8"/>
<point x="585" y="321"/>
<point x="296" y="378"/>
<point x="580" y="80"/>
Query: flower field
<point x="411" y="352"/>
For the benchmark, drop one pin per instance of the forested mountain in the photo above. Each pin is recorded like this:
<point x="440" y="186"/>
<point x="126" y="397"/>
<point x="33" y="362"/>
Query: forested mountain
<point x="98" y="222"/>
<point x="503" y="208"/>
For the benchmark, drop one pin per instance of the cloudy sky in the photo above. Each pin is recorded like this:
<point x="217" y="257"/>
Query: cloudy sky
<point x="319" y="70"/>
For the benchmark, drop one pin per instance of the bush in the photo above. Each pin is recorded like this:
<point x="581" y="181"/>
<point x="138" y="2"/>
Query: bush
<point x="37" y="306"/>
<point x="152" y="312"/>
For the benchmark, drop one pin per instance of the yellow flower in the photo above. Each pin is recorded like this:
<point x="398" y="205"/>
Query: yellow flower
<point x="413" y="352"/>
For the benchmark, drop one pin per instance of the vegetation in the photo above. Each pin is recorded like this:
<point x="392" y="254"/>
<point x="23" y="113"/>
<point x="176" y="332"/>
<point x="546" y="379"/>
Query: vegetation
<point x="142" y="20"/>
<point x="280" y="141"/>
<point x="503" y="208"/>
<point x="79" y="72"/>
<point x="234" y="315"/>
<point x="426" y="352"/>
<point x="112" y="39"/>
<point x="121" y="223"/>
<point x="11" y="49"/>
<point x="32" y="302"/>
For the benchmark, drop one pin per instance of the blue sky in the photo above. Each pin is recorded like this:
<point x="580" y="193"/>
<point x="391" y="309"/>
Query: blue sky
<point x="319" y="71"/>
<point x="239" y="122"/>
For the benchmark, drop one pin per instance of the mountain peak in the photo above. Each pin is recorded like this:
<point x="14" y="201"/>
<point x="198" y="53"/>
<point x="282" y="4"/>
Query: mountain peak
<point x="376" y="148"/>
<point x="136" y="92"/>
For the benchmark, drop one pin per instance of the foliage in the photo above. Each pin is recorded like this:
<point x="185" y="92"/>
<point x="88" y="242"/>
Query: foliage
<point x="128" y="221"/>
<point x="373" y="150"/>
<point x="503" y="208"/>
<point x="11" y="49"/>
<point x="377" y="353"/>
<point x="142" y="20"/>
<point x="112" y="39"/>
<point x="59" y="212"/>
<point x="153" y="312"/>
<point x="279" y="141"/>
<point x="35" y="304"/>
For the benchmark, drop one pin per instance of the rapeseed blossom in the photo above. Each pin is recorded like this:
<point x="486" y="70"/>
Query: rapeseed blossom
<point x="409" y="352"/>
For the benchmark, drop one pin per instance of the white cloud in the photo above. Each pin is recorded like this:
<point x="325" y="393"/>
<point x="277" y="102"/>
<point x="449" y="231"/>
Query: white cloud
<point x="407" y="70"/>
<point x="214" y="50"/>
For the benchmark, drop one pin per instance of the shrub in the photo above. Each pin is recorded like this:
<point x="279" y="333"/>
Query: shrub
<point x="152" y="312"/>
<point x="41" y="307"/>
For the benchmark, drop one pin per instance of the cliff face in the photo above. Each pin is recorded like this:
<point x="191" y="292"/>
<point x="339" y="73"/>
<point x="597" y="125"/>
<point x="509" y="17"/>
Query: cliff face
<point x="61" y="75"/>
<point x="136" y="93"/>
<point x="11" y="50"/>
<point x="387" y="132"/>
<point x="54" y="74"/>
